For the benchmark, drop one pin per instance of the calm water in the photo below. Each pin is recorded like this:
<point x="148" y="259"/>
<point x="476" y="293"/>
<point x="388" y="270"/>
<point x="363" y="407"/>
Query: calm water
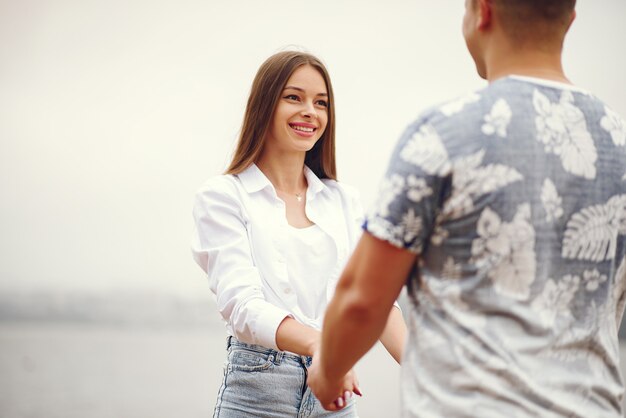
<point x="55" y="370"/>
<point x="135" y="356"/>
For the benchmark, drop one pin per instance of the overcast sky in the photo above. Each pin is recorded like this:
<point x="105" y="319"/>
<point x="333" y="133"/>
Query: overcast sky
<point x="112" y="114"/>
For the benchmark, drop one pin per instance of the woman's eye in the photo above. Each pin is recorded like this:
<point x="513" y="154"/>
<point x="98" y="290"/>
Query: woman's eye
<point x="292" y="97"/>
<point x="323" y="103"/>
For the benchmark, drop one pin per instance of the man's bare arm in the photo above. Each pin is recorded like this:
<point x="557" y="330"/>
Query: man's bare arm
<point x="358" y="312"/>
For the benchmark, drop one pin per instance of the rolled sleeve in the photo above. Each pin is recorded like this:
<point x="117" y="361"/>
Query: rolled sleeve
<point x="221" y="248"/>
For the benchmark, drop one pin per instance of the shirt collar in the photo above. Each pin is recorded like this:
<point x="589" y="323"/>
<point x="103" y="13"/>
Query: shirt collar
<point x="315" y="184"/>
<point x="254" y="180"/>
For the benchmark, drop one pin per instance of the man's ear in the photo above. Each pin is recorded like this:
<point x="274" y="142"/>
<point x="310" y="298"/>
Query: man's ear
<point x="485" y="14"/>
<point x="571" y="19"/>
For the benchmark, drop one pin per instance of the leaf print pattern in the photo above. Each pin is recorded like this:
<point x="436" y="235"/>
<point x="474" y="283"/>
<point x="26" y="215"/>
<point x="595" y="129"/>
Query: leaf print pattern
<point x="561" y="127"/>
<point x="615" y="125"/>
<point x="384" y="229"/>
<point x="513" y="232"/>
<point x="418" y="189"/>
<point x="506" y="251"/>
<point x="402" y="235"/>
<point x="451" y="270"/>
<point x="473" y="181"/>
<point x="498" y="119"/>
<point x="438" y="236"/>
<point x="389" y="189"/>
<point x="411" y="224"/>
<point x="426" y="151"/>
<point x="593" y="279"/>
<point x="555" y="299"/>
<point x="456" y="106"/>
<point x="552" y="202"/>
<point x="591" y="234"/>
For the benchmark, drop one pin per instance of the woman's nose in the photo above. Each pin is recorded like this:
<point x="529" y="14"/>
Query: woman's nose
<point x="309" y="110"/>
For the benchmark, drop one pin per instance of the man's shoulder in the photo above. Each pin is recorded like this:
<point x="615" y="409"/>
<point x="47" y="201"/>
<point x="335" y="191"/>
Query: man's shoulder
<point x="500" y="101"/>
<point x="467" y="105"/>
<point x="449" y="120"/>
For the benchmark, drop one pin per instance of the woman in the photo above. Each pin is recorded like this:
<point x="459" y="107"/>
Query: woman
<point x="273" y="235"/>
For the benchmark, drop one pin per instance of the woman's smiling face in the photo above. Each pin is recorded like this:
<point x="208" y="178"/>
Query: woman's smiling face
<point x="301" y="113"/>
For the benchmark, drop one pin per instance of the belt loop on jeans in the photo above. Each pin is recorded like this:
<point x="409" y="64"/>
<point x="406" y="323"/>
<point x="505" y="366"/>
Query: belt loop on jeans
<point x="278" y="356"/>
<point x="228" y="341"/>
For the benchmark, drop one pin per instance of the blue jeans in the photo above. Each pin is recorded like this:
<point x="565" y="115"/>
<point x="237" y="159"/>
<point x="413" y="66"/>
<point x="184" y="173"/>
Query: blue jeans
<point x="263" y="383"/>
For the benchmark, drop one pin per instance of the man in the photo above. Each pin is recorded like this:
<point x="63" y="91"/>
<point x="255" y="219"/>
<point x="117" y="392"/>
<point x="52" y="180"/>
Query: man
<point x="506" y="210"/>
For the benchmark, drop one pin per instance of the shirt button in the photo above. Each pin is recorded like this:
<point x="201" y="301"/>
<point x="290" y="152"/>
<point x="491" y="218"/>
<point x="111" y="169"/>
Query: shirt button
<point x="287" y="290"/>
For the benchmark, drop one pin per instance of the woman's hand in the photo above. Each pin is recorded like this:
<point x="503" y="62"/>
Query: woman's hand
<point x="351" y="388"/>
<point x="333" y="395"/>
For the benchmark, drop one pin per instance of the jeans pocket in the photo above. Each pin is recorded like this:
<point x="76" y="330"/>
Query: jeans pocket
<point x="250" y="361"/>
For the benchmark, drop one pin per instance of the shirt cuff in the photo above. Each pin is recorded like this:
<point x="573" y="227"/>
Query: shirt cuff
<point x="269" y="319"/>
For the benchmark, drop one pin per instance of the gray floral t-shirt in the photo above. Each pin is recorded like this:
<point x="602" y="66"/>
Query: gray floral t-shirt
<point x="514" y="197"/>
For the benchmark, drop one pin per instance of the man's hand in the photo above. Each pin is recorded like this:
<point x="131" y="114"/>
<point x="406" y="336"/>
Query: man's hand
<point x="333" y="395"/>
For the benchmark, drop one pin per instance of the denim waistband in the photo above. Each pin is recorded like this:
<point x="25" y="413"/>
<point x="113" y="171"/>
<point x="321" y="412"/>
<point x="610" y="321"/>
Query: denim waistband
<point x="278" y="355"/>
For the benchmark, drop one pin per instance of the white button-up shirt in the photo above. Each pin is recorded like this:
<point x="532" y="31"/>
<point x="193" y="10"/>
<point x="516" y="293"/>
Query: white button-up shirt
<point x="240" y="238"/>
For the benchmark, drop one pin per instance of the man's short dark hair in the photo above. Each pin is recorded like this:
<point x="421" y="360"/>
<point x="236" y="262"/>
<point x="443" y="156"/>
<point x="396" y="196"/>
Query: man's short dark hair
<point x="538" y="20"/>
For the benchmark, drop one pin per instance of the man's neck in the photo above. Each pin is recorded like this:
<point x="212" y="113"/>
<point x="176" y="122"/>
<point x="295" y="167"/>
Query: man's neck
<point x="529" y="63"/>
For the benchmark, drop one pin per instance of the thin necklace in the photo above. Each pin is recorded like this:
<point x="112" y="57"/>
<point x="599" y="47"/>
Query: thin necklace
<point x="299" y="196"/>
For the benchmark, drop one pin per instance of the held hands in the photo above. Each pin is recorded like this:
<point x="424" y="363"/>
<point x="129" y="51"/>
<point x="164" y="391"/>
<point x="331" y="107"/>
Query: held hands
<point x="333" y="395"/>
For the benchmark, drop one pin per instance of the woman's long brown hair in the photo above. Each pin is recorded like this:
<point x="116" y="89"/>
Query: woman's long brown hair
<point x="266" y="90"/>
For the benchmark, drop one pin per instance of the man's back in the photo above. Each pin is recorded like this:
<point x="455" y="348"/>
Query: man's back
<point x="515" y="196"/>
<point x="509" y="206"/>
